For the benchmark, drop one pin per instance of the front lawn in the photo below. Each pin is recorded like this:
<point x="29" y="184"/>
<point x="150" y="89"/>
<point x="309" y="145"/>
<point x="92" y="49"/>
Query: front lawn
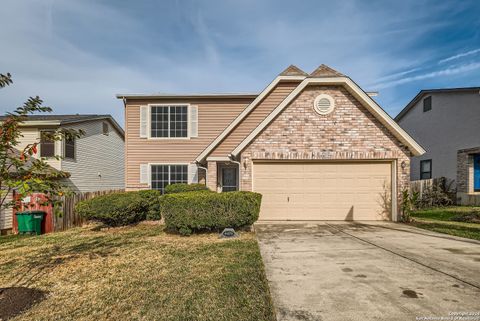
<point x="137" y="273"/>
<point x="456" y="220"/>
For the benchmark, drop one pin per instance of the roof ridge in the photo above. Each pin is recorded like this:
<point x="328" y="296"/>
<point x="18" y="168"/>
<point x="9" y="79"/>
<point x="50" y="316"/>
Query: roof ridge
<point x="293" y="70"/>
<point x="325" y="71"/>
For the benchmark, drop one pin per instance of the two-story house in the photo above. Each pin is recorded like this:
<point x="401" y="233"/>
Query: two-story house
<point x="95" y="161"/>
<point x="316" y="146"/>
<point x="446" y="123"/>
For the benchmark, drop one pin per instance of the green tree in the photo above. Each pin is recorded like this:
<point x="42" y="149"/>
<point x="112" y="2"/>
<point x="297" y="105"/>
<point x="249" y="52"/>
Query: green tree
<point x="19" y="169"/>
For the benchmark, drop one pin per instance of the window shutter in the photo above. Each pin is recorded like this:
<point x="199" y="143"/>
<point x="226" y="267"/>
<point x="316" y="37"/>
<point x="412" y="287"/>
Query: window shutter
<point x="144" y="174"/>
<point x="193" y="121"/>
<point x="143" y="121"/>
<point x="192" y="174"/>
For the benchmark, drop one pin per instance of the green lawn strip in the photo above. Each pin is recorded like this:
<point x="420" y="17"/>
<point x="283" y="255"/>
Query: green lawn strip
<point x="138" y="273"/>
<point x="440" y="220"/>
<point x="444" y="213"/>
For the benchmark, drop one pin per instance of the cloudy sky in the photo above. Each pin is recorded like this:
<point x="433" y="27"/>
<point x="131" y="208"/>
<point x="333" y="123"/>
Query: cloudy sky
<point x="78" y="54"/>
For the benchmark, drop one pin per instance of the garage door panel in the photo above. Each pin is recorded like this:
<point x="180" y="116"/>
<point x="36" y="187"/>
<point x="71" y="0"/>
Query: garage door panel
<point x="270" y="183"/>
<point x="323" y="191"/>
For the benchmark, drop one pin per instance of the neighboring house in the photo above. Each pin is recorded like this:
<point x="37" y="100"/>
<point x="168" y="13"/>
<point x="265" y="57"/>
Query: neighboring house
<point x="95" y="161"/>
<point x="446" y="123"/>
<point x="316" y="146"/>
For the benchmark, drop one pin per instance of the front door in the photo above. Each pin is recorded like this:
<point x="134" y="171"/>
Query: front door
<point x="229" y="179"/>
<point x="476" y="172"/>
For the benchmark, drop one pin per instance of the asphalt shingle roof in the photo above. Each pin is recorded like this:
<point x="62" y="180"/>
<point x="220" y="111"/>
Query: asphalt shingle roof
<point x="74" y="118"/>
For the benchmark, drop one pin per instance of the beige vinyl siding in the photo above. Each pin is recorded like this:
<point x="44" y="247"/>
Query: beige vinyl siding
<point x="255" y="117"/>
<point x="32" y="135"/>
<point x="96" y="154"/>
<point x="214" y="115"/>
<point x="6" y="215"/>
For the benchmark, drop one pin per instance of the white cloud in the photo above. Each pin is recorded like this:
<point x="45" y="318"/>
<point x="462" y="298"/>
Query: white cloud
<point x="439" y="73"/>
<point x="78" y="54"/>
<point x="460" y="55"/>
<point x="398" y="74"/>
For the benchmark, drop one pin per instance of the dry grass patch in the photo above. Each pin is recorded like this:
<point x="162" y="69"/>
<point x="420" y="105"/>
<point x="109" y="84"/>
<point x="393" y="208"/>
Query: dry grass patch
<point x="138" y="273"/>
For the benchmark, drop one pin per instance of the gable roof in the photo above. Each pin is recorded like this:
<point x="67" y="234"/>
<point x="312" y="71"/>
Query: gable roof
<point x="325" y="71"/>
<point x="32" y="120"/>
<point x="203" y="155"/>
<point x="358" y="93"/>
<point x="424" y="92"/>
<point x="293" y="70"/>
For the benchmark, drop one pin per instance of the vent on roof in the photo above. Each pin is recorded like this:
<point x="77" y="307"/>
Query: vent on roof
<point x="323" y="104"/>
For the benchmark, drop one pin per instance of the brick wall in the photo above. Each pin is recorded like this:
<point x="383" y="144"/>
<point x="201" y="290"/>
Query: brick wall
<point x="212" y="176"/>
<point x="350" y="132"/>
<point x="465" y="193"/>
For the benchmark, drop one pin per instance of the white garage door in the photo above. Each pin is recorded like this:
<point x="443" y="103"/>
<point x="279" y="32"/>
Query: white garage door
<point x="324" y="191"/>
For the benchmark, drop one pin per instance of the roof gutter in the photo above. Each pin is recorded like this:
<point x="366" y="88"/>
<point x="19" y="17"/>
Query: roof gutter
<point x="186" y="96"/>
<point x="40" y="123"/>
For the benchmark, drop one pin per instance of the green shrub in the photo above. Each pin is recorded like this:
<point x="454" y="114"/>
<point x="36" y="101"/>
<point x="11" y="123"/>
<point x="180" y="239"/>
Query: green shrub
<point x="182" y="188"/>
<point x="153" y="198"/>
<point x="115" y="209"/>
<point x="200" y="211"/>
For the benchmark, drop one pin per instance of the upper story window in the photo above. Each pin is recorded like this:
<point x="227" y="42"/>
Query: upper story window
<point x="427" y="104"/>
<point x="426" y="169"/>
<point x="105" y="128"/>
<point x="47" y="144"/>
<point x="169" y="121"/>
<point x="69" y="151"/>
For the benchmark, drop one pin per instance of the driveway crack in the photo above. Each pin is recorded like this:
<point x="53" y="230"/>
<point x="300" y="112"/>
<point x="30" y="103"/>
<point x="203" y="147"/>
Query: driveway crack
<point x="402" y="256"/>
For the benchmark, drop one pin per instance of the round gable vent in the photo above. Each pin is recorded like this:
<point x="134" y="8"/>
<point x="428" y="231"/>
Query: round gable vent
<point x="323" y="104"/>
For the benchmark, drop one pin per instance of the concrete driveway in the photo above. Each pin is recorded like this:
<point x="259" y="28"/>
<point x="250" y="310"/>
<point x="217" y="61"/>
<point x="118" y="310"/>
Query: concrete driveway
<point x="364" y="271"/>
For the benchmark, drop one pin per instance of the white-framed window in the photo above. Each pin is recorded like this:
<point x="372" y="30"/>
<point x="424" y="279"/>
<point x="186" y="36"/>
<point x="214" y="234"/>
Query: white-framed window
<point x="47" y="143"/>
<point x="163" y="175"/>
<point x="169" y="121"/>
<point x="69" y="148"/>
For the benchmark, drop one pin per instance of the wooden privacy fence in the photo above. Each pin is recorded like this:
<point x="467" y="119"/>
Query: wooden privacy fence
<point x="68" y="217"/>
<point x="435" y="191"/>
<point x="422" y="185"/>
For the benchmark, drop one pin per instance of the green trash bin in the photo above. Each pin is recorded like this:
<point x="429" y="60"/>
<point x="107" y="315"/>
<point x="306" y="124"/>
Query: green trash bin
<point x="30" y="222"/>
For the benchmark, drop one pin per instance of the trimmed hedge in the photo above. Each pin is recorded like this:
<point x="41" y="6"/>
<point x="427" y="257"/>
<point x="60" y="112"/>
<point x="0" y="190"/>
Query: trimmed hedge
<point x="182" y="188"/>
<point x="115" y="209"/>
<point x="153" y="198"/>
<point x="200" y="211"/>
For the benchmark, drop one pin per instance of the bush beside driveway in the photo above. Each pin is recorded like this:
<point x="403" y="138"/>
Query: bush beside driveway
<point x="138" y="273"/>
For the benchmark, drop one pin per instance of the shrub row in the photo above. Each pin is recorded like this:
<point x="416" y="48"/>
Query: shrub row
<point x="200" y="211"/>
<point x="186" y="208"/>
<point x="182" y="188"/>
<point x="119" y="209"/>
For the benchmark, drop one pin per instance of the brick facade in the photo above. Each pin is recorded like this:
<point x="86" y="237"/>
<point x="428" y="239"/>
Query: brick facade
<point x="465" y="193"/>
<point x="212" y="176"/>
<point x="350" y="132"/>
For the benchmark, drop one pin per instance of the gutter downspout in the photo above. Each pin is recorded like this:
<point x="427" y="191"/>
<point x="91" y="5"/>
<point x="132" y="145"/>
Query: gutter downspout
<point x="232" y="159"/>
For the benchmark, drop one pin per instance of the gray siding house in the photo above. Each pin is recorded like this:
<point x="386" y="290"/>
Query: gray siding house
<point x="95" y="161"/>
<point x="446" y="122"/>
